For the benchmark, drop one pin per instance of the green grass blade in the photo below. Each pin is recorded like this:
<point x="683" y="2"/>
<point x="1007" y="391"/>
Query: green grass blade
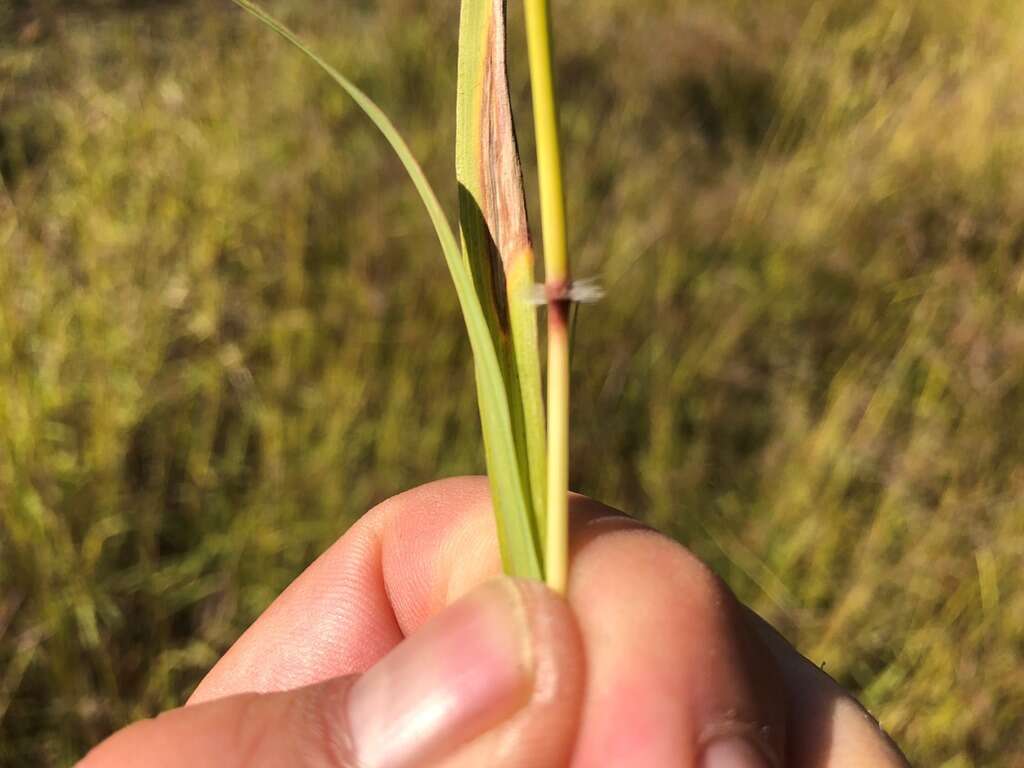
<point x="519" y="543"/>
<point x="495" y="233"/>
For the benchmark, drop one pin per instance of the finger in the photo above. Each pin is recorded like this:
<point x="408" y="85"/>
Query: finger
<point x="674" y="676"/>
<point x="500" y="661"/>
<point x="338" y="618"/>
<point x="827" y="727"/>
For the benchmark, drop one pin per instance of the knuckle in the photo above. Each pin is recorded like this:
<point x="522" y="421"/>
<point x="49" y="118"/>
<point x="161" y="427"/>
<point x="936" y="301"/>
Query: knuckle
<point x="683" y="581"/>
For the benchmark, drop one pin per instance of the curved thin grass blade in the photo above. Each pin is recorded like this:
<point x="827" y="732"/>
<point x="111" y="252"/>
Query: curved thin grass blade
<point x="519" y="544"/>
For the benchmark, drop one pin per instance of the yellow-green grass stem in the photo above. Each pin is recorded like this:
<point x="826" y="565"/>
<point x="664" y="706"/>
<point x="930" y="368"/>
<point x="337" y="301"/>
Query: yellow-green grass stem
<point x="549" y="155"/>
<point x="556" y="274"/>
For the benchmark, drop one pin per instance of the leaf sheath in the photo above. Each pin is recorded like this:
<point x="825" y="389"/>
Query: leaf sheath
<point x="495" y="233"/>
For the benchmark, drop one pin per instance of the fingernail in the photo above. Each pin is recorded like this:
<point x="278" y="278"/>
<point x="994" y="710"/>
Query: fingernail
<point x="460" y="675"/>
<point x="733" y="752"/>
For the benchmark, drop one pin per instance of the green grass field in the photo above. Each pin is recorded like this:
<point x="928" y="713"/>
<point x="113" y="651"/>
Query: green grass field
<point x="226" y="328"/>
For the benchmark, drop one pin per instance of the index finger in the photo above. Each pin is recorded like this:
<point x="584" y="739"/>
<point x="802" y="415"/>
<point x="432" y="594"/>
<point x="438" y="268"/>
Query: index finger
<point x="404" y="561"/>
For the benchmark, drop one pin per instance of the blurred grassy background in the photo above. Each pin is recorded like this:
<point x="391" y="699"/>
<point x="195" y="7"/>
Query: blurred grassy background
<point x="226" y="329"/>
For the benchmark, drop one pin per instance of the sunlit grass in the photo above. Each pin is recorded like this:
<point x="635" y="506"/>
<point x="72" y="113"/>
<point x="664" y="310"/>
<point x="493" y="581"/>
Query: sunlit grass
<point x="808" y="365"/>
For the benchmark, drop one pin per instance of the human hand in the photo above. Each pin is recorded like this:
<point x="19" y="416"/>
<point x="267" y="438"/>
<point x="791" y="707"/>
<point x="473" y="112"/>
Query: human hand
<point x="650" y="661"/>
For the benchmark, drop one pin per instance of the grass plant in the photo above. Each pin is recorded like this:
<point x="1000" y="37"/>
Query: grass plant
<point x="493" y="277"/>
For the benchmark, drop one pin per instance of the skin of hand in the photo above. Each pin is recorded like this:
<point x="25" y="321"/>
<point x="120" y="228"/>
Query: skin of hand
<point x="402" y="646"/>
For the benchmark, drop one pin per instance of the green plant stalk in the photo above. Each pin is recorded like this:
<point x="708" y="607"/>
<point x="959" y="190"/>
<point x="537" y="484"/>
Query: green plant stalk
<point x="556" y="275"/>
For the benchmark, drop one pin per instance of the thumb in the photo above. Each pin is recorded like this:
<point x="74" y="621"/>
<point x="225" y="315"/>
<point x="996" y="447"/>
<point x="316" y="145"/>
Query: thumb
<point x="497" y="674"/>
